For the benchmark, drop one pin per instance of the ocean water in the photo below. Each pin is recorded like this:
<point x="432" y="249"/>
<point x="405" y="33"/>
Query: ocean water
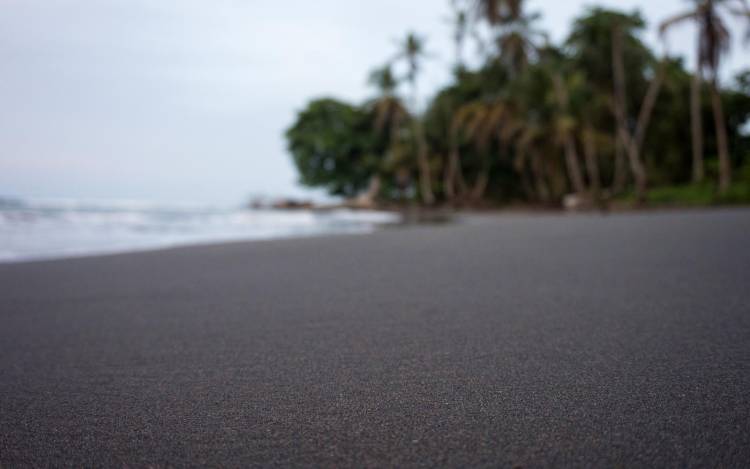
<point x="46" y="229"/>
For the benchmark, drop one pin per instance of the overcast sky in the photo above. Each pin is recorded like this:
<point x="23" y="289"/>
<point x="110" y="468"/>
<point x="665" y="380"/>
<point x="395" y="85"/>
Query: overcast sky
<point x="187" y="100"/>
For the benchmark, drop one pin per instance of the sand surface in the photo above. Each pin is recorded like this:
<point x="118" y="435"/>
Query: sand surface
<point x="504" y="340"/>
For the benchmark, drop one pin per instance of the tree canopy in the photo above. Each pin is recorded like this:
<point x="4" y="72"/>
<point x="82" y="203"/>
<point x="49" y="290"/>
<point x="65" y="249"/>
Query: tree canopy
<point x="334" y="147"/>
<point x="599" y="114"/>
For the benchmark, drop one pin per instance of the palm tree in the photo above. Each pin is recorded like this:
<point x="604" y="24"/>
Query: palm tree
<point x="591" y="138"/>
<point x="390" y="113"/>
<point x="412" y="51"/>
<point x="453" y="182"/>
<point x="530" y="138"/>
<point x="481" y="122"/>
<point x="605" y="46"/>
<point x="460" y="22"/>
<point x="390" y="116"/>
<point x="515" y="35"/>
<point x="565" y="87"/>
<point x="633" y="141"/>
<point x="498" y="11"/>
<point x="713" y="41"/>
<point x="564" y="126"/>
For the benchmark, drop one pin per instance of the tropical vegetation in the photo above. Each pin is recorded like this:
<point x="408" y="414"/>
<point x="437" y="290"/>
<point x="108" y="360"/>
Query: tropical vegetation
<point x="597" y="118"/>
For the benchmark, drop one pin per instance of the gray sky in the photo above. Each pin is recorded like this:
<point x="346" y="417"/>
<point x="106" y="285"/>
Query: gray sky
<point x="187" y="100"/>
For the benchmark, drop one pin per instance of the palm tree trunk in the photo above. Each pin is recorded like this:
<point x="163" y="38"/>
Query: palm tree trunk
<point x="574" y="169"/>
<point x="461" y="187"/>
<point x="644" y="119"/>
<point x="542" y="188"/>
<point x="649" y="102"/>
<point x="476" y="194"/>
<point x="449" y="178"/>
<point x="373" y="190"/>
<point x="425" y="180"/>
<point x="631" y="147"/>
<point x="571" y="156"/>
<point x="423" y="163"/>
<point x="725" y="167"/>
<point x="455" y="184"/>
<point x="527" y="184"/>
<point x="636" y="166"/>
<point x="620" y="178"/>
<point x="696" y="124"/>
<point x="592" y="163"/>
<point x="480" y="186"/>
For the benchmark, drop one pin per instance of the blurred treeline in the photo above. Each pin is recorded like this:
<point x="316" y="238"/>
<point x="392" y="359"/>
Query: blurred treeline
<point x="601" y="115"/>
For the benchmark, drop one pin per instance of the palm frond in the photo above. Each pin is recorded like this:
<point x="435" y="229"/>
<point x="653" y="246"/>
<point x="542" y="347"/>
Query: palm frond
<point x="665" y="25"/>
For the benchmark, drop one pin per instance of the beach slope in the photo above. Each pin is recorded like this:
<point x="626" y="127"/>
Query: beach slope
<point x="558" y="340"/>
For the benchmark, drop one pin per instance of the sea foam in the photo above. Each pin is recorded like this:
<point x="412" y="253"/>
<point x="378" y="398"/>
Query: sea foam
<point x="44" y="229"/>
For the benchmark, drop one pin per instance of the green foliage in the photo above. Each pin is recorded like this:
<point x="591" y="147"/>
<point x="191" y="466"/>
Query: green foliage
<point x="589" y="45"/>
<point x="738" y="194"/>
<point x="334" y="147"/>
<point x="737" y="107"/>
<point x="508" y="129"/>
<point x="384" y="80"/>
<point x="695" y="195"/>
<point x="689" y="195"/>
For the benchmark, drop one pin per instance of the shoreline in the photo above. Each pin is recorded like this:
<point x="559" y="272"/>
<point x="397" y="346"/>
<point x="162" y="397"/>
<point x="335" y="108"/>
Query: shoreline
<point x="416" y="217"/>
<point x="179" y="246"/>
<point x="61" y="230"/>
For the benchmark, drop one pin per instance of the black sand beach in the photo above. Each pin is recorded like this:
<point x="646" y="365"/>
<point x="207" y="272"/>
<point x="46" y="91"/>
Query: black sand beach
<point x="507" y="340"/>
